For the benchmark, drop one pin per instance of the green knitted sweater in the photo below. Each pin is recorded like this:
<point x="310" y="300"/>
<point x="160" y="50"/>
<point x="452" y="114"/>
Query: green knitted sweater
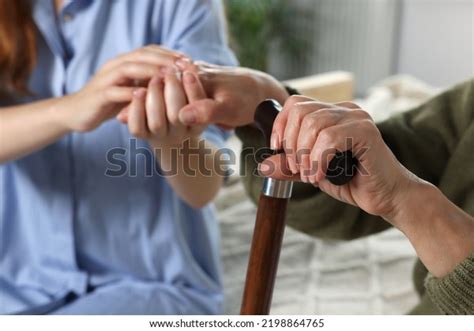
<point x="436" y="142"/>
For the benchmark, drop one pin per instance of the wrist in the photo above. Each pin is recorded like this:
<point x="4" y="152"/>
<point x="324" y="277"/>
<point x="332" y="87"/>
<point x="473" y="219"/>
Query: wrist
<point x="59" y="114"/>
<point x="273" y="89"/>
<point x="409" y="210"/>
<point x="440" y="232"/>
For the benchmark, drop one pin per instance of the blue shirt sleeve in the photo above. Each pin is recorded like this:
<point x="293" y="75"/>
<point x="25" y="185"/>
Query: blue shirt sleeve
<point x="198" y="28"/>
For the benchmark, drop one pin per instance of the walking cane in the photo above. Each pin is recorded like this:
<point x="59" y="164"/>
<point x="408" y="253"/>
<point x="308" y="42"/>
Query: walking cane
<point x="270" y="221"/>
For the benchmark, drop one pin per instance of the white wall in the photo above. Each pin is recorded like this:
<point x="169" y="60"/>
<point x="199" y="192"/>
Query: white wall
<point x="429" y="39"/>
<point x="437" y="40"/>
<point x="354" y="35"/>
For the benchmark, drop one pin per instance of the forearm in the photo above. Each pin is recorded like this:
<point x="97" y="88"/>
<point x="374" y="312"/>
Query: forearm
<point x="192" y="169"/>
<point x="28" y="128"/>
<point x="441" y="233"/>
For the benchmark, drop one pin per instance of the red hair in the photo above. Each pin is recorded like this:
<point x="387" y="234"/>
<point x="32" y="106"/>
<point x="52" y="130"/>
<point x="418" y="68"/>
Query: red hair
<point x="17" y="45"/>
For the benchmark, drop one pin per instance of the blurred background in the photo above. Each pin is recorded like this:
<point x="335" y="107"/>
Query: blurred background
<point x="388" y="55"/>
<point x="431" y="40"/>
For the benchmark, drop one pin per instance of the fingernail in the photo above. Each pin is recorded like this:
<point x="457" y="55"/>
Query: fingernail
<point x="274" y="140"/>
<point x="304" y="179"/>
<point x="290" y="164"/>
<point x="179" y="75"/>
<point x="303" y="175"/>
<point x="187" y="117"/>
<point x="139" y="93"/>
<point x="182" y="63"/>
<point x="294" y="169"/>
<point x="263" y="168"/>
<point x="188" y="77"/>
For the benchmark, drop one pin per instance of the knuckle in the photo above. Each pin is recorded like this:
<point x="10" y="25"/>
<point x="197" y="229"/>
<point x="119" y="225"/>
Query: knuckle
<point x="326" y="135"/>
<point x="308" y="122"/>
<point x="297" y="113"/>
<point x="347" y="104"/>
<point x="311" y="126"/>
<point x="292" y="100"/>
<point x="369" y="128"/>
<point x="351" y="104"/>
<point x="298" y="108"/>
<point x="313" y="130"/>
<point x="367" y="124"/>
<point x="361" y="114"/>
<point x="327" y="113"/>
<point x="331" y="118"/>
<point x="317" y="119"/>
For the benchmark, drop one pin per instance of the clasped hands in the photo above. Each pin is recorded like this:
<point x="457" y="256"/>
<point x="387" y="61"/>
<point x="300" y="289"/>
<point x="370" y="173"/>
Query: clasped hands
<point x="165" y="98"/>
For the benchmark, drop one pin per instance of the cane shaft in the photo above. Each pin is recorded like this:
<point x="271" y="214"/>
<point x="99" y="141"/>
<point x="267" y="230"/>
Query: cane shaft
<point x="264" y="255"/>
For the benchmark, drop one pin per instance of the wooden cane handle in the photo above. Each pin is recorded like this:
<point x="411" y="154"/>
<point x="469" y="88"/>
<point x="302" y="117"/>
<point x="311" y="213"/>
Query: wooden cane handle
<point x="342" y="167"/>
<point x="265" y="115"/>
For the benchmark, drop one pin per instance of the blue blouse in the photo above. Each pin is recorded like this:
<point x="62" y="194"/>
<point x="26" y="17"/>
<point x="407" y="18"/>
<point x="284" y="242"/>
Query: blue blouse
<point x="74" y="240"/>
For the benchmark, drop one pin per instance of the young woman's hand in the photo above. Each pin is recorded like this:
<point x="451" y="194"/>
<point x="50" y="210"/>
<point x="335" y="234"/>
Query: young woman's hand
<point x="113" y="86"/>
<point x="311" y="132"/>
<point x="233" y="94"/>
<point x="153" y="112"/>
<point x="153" y="116"/>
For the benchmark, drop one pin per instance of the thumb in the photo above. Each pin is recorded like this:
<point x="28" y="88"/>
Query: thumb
<point x="193" y="87"/>
<point x="276" y="166"/>
<point x="203" y="112"/>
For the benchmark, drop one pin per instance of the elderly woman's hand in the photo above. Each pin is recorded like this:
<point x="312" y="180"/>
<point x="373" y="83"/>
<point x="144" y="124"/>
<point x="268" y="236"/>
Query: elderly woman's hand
<point x="233" y="94"/>
<point x="311" y="132"/>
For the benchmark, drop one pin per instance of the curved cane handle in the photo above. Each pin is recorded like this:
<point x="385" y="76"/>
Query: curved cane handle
<point x="342" y="167"/>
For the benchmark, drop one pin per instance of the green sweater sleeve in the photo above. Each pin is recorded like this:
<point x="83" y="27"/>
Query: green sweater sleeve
<point x="422" y="139"/>
<point x="454" y="293"/>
